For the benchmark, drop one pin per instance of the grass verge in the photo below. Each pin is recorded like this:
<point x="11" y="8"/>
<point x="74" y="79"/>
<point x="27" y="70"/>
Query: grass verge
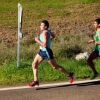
<point x="10" y="74"/>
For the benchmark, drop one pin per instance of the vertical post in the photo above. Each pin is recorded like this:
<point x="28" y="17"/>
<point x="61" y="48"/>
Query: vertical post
<point x="19" y="32"/>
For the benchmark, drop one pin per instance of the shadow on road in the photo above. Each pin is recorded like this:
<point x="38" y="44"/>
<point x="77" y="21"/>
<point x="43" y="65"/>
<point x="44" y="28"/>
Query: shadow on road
<point x="89" y="83"/>
<point x="77" y="84"/>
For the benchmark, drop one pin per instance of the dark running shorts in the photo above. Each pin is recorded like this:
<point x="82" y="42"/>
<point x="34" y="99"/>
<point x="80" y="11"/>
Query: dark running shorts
<point x="48" y="54"/>
<point x="96" y="52"/>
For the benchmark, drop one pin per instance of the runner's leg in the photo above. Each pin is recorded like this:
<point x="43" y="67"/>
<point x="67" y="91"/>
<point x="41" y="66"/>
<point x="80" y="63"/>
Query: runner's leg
<point x="53" y="63"/>
<point x="90" y="62"/>
<point x="38" y="59"/>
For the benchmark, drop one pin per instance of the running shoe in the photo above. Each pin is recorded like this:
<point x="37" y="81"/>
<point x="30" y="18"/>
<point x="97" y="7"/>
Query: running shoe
<point x="34" y="83"/>
<point x="71" y="77"/>
<point x="94" y="76"/>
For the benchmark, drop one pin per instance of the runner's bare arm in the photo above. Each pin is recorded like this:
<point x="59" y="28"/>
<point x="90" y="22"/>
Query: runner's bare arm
<point x="52" y="35"/>
<point x="91" y="41"/>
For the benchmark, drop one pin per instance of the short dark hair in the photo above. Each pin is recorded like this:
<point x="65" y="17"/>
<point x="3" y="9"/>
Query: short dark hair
<point x="46" y="23"/>
<point x="98" y="20"/>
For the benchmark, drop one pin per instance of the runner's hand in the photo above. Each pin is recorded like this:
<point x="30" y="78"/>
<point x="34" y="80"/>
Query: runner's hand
<point x="36" y="38"/>
<point x="91" y="41"/>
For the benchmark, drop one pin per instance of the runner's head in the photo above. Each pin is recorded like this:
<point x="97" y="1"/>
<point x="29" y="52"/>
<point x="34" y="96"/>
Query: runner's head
<point x="97" y="23"/>
<point x="97" y="20"/>
<point x="44" y="25"/>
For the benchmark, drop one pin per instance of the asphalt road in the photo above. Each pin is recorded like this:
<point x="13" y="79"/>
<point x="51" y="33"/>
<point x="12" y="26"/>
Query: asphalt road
<point x="81" y="91"/>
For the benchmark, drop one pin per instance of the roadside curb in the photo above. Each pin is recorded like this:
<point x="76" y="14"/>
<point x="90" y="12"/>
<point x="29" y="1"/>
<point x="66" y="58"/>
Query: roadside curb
<point x="50" y="85"/>
<point x="66" y="83"/>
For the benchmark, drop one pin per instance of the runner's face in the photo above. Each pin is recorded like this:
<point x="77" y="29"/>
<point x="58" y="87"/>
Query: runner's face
<point x="96" y="25"/>
<point x="42" y="27"/>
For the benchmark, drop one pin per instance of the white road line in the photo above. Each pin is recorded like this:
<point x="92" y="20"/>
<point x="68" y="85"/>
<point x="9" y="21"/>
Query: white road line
<point x="14" y="88"/>
<point x="48" y="85"/>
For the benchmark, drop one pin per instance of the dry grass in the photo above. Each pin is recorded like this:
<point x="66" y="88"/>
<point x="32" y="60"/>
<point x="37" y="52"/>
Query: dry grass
<point x="71" y="21"/>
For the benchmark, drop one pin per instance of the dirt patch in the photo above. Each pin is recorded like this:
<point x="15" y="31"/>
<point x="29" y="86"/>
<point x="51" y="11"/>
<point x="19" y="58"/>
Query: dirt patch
<point x="79" y="20"/>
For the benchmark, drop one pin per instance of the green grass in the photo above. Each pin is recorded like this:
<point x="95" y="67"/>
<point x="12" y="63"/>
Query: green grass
<point x="10" y="74"/>
<point x="35" y="10"/>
